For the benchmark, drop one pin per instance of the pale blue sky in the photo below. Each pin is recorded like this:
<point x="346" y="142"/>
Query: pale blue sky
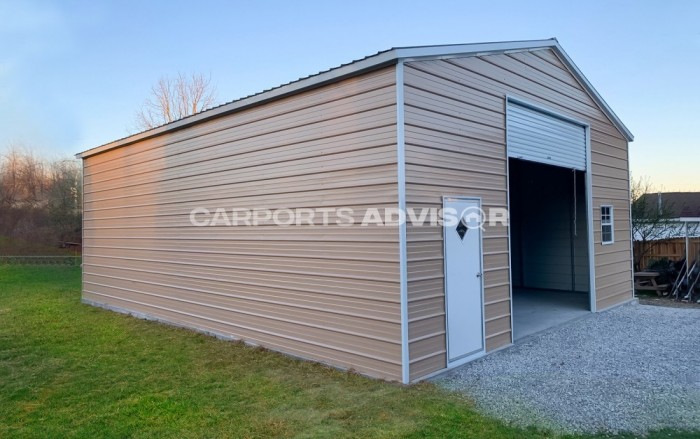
<point x="73" y="73"/>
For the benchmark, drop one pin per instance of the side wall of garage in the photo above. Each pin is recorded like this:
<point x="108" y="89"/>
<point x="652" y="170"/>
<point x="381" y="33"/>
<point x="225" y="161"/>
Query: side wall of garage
<point x="331" y="294"/>
<point x="455" y="145"/>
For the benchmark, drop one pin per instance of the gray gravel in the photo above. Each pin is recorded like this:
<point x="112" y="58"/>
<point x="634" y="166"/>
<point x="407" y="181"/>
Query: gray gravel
<point x="635" y="368"/>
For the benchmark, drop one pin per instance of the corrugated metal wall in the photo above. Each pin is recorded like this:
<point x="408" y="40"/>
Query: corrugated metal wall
<point x="455" y="145"/>
<point x="324" y="293"/>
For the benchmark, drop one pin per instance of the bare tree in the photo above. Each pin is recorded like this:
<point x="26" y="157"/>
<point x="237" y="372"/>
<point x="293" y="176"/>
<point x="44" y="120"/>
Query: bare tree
<point x="10" y="187"/>
<point x="174" y="98"/>
<point x="40" y="199"/>
<point x="64" y="199"/>
<point x="651" y="219"/>
<point x="22" y="177"/>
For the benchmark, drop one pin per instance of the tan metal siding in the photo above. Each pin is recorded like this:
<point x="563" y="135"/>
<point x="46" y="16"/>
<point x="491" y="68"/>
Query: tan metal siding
<point x="330" y="294"/>
<point x="455" y="145"/>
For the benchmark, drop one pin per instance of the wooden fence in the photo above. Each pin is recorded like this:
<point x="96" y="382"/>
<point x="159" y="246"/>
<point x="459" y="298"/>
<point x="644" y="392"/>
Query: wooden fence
<point x="673" y="249"/>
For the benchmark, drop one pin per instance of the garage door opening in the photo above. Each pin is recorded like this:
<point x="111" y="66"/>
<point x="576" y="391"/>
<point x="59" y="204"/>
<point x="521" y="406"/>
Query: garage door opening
<point x="549" y="246"/>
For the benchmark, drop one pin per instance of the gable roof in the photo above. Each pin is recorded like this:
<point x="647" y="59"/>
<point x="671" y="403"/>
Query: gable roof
<point x="679" y="204"/>
<point x="372" y="62"/>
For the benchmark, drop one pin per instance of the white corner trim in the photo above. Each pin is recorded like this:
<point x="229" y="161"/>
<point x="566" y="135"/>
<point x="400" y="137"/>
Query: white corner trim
<point x="593" y="296"/>
<point x="629" y="218"/>
<point x="403" y="255"/>
<point x="510" y="229"/>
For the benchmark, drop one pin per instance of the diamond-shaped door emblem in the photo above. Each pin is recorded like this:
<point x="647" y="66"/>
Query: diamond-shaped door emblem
<point x="462" y="229"/>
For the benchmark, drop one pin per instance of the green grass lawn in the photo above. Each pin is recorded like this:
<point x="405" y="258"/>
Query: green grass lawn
<point x="71" y="370"/>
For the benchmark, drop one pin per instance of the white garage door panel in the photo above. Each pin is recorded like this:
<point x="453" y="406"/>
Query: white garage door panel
<point x="539" y="137"/>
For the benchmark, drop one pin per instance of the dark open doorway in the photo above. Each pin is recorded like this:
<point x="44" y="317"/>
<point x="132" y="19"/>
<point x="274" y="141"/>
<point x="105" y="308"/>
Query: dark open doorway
<point x="549" y="245"/>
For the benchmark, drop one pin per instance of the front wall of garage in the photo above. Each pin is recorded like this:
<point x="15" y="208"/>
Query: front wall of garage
<point x="330" y="294"/>
<point x="455" y="145"/>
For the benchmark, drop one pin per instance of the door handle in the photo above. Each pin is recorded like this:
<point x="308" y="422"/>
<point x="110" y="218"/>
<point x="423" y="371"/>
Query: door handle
<point x="478" y="274"/>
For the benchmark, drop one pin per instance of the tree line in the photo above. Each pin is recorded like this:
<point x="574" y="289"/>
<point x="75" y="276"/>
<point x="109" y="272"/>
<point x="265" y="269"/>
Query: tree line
<point x="40" y="202"/>
<point x="41" y="199"/>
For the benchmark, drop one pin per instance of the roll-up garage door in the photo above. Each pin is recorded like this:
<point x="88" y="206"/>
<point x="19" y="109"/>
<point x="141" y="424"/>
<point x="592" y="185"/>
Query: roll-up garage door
<point x="540" y="137"/>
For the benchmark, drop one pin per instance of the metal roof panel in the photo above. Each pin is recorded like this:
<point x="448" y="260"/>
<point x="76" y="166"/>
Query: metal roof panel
<point x="372" y="62"/>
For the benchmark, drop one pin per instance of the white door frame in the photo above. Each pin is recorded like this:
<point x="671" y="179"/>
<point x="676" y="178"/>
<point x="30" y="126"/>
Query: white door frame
<point x="589" y="201"/>
<point x="482" y="352"/>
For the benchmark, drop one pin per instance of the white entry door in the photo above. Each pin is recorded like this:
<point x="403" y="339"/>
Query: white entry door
<point x="463" y="278"/>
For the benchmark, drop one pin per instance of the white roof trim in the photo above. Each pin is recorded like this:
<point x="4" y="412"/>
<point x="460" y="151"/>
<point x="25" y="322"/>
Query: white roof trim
<point x="594" y="93"/>
<point x="381" y="59"/>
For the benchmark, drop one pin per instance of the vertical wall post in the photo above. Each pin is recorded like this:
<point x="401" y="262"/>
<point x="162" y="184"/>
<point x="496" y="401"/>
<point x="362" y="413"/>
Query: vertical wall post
<point x="403" y="265"/>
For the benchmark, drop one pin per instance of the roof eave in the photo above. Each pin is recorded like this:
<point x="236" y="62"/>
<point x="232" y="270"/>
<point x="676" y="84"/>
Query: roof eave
<point x="377" y="61"/>
<point x="372" y="63"/>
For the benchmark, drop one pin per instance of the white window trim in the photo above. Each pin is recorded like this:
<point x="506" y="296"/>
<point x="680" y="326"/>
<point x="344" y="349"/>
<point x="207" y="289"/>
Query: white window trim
<point x="612" y="224"/>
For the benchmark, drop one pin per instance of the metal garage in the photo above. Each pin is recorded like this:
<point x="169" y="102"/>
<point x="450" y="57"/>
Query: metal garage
<point x="477" y="128"/>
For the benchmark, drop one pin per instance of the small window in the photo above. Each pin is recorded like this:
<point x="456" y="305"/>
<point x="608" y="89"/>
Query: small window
<point x="606" y="224"/>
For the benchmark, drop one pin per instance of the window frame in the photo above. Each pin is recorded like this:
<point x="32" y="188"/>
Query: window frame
<point x="604" y="224"/>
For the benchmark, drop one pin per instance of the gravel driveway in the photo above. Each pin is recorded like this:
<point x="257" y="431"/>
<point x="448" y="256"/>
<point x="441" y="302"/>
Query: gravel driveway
<point x="635" y="368"/>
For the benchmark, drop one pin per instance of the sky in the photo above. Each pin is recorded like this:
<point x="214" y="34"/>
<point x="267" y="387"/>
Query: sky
<point x="74" y="73"/>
